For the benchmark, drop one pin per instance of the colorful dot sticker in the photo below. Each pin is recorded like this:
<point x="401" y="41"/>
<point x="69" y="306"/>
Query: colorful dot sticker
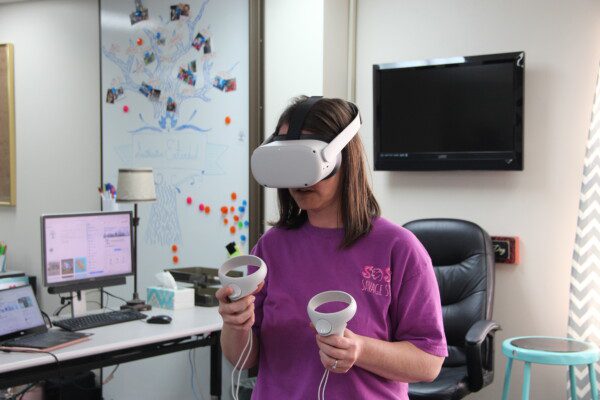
<point x="227" y="120"/>
<point x="226" y="221"/>
<point x="189" y="200"/>
<point x="224" y="209"/>
<point x="240" y="224"/>
<point x="140" y="41"/>
<point x="174" y="248"/>
<point x="207" y="209"/>
<point x="175" y="259"/>
<point x="246" y="223"/>
<point x="233" y="196"/>
<point x="232" y="230"/>
<point x="243" y="238"/>
<point x="232" y="209"/>
<point x="125" y="108"/>
<point x="242" y="209"/>
<point x="244" y="203"/>
<point x="236" y="218"/>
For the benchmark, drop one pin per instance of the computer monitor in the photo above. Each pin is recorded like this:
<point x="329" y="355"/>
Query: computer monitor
<point x="86" y="251"/>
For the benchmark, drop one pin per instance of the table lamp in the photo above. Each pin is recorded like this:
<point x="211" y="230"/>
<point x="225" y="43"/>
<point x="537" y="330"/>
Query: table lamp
<point x="135" y="185"/>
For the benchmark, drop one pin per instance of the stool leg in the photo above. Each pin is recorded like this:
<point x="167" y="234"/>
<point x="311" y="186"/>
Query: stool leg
<point x="507" y="379"/>
<point x="593" y="384"/>
<point x="573" y="382"/>
<point x="526" y="381"/>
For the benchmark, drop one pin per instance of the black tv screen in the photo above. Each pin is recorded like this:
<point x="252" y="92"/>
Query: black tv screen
<point x="449" y="114"/>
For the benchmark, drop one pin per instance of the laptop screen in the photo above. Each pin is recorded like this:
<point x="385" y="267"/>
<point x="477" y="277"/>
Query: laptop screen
<point x="19" y="311"/>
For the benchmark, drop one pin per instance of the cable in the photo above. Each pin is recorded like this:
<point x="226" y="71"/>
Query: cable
<point x="322" y="385"/>
<point x="110" y="376"/>
<point x="116" y="297"/>
<point x="47" y="317"/>
<point x="36" y="351"/>
<point x="59" y="309"/>
<point x="235" y="391"/>
<point x="19" y="395"/>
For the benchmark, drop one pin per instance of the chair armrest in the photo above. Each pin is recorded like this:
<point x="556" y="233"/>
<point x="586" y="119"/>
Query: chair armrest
<point x="474" y="339"/>
<point x="479" y="331"/>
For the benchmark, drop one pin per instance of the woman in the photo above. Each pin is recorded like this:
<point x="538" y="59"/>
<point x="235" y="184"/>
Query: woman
<point x="330" y="237"/>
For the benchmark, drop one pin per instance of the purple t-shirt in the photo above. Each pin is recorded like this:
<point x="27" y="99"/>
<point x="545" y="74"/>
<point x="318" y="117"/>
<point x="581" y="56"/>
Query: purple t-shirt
<point x="389" y="274"/>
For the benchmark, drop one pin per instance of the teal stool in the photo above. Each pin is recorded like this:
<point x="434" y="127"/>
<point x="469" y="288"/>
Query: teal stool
<point x="553" y="351"/>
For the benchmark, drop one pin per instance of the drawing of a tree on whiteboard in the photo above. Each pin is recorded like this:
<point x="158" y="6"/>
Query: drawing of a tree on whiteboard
<point x="162" y="65"/>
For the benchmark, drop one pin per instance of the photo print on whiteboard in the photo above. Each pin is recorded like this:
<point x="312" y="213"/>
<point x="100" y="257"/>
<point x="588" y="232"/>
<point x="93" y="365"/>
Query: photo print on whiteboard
<point x="224" y="82"/>
<point x="179" y="10"/>
<point x="140" y="13"/>
<point x="113" y="94"/>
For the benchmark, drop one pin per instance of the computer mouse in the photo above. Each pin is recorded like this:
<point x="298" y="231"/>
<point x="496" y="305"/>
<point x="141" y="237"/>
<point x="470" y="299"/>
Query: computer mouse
<point x="159" y="319"/>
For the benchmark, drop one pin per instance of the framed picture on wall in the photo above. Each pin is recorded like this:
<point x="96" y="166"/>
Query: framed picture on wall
<point x="8" y="194"/>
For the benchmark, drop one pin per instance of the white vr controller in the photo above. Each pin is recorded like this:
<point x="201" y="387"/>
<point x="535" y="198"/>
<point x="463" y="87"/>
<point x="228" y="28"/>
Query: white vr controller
<point x="244" y="285"/>
<point x="331" y="323"/>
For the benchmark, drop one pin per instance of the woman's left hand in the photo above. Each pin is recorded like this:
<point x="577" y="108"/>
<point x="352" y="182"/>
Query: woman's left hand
<point x="339" y="353"/>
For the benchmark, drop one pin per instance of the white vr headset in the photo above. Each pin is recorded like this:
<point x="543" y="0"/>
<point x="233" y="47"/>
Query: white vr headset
<point x="331" y="323"/>
<point x="244" y="285"/>
<point x="297" y="160"/>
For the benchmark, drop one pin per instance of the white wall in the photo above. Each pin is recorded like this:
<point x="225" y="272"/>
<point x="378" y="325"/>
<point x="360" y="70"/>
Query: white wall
<point x="293" y="62"/>
<point x="539" y="204"/>
<point x="57" y="121"/>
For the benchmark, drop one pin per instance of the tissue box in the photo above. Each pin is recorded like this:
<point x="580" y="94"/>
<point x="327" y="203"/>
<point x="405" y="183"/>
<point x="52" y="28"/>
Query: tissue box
<point x="170" y="299"/>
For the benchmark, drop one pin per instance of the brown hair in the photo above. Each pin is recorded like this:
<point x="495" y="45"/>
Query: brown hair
<point x="329" y="117"/>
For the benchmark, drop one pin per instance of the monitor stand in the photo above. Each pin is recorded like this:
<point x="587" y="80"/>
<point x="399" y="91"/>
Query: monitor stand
<point x="78" y="303"/>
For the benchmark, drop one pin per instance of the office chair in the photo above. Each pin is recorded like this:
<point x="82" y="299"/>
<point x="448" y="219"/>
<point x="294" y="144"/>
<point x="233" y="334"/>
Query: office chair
<point x="463" y="261"/>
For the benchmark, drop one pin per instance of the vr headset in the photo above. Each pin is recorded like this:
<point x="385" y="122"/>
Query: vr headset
<point x="297" y="160"/>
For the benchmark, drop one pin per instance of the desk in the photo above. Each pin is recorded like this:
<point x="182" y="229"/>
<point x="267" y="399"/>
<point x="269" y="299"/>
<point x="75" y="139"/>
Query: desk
<point x="121" y="343"/>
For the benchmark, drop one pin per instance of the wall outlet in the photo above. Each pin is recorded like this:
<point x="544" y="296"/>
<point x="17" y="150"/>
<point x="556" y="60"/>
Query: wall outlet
<point x="506" y="249"/>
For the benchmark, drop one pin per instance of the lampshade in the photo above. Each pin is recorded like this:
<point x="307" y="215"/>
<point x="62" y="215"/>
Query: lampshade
<point x="135" y="185"/>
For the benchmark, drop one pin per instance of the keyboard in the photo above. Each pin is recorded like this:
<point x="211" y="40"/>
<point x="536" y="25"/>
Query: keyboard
<point x="96" y="320"/>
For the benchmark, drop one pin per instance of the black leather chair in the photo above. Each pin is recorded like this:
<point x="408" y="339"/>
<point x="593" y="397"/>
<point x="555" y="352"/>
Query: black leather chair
<point x="463" y="260"/>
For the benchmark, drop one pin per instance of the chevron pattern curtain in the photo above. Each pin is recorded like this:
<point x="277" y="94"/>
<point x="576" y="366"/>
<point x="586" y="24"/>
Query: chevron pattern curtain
<point x="584" y="303"/>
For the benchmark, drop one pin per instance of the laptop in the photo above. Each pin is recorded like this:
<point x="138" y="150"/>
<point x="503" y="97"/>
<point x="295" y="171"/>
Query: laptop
<point x="22" y="325"/>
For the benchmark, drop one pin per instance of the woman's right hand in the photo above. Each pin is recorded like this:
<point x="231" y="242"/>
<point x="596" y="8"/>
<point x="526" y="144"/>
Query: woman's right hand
<point x="239" y="314"/>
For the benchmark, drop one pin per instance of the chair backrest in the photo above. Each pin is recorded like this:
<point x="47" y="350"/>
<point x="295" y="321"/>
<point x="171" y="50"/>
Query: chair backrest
<point x="463" y="261"/>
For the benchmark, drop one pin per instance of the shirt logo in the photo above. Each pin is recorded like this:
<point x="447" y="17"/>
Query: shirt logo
<point x="376" y="281"/>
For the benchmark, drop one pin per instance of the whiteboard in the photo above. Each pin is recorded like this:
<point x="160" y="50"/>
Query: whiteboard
<point x="175" y="97"/>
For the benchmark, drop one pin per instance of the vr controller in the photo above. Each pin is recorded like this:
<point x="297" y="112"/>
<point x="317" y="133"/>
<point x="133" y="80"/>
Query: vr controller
<point x="331" y="323"/>
<point x="244" y="285"/>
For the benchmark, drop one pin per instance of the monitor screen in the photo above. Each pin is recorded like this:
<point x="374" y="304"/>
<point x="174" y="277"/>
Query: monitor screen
<point x="86" y="247"/>
<point x="453" y="113"/>
<point x="469" y="108"/>
<point x="19" y="310"/>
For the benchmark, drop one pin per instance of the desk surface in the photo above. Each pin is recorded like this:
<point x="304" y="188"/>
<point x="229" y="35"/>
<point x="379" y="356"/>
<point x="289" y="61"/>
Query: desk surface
<point x="188" y="322"/>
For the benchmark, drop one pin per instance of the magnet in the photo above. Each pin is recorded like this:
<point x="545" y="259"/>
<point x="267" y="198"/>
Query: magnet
<point x="207" y="209"/>
<point x="125" y="109"/>
<point x="232" y="230"/>
<point x="201" y="207"/>
<point x="227" y="120"/>
<point x="225" y="221"/>
<point x="174" y="248"/>
<point x="175" y="259"/>
<point x="240" y="224"/>
<point x="243" y="238"/>
<point x="224" y="209"/>
<point x="236" y="218"/>
<point x="244" y="203"/>
<point x="232" y="209"/>
<point x="140" y="41"/>
<point x="189" y="200"/>
<point x="233" y="196"/>
<point x="242" y="209"/>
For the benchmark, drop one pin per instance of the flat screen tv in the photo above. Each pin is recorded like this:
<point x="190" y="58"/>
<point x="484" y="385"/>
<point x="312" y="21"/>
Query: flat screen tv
<point x="459" y="113"/>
